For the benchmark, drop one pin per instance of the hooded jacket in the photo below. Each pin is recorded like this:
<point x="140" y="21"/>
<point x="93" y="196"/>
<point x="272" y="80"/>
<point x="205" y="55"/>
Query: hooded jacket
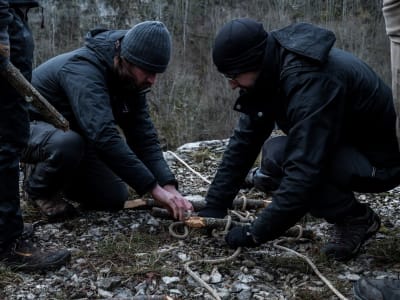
<point x="15" y="32"/>
<point x="83" y="87"/>
<point x="321" y="97"/>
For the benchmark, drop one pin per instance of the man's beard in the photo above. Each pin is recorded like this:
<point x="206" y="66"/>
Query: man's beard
<point x="126" y="82"/>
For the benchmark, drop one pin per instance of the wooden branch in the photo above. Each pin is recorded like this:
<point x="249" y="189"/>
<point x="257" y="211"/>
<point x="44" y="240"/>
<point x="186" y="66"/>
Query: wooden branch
<point x="201" y="222"/>
<point x="138" y="203"/>
<point x="199" y="204"/>
<point x="25" y="88"/>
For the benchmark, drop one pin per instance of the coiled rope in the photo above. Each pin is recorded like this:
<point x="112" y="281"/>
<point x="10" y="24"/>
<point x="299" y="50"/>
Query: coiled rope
<point x="242" y="218"/>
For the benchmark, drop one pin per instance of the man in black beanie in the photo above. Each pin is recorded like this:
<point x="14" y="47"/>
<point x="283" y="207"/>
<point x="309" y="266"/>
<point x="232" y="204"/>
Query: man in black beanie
<point x="16" y="46"/>
<point x="339" y="124"/>
<point x="101" y="89"/>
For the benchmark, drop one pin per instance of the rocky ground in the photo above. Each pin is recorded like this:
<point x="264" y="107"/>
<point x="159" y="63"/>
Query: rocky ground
<point x="130" y="254"/>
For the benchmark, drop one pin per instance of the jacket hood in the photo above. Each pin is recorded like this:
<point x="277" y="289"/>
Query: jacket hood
<point x="307" y="40"/>
<point x="103" y="43"/>
<point x="23" y="3"/>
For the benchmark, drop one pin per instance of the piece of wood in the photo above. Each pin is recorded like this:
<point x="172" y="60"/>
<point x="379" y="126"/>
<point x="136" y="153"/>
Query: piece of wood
<point x="201" y="222"/>
<point x="199" y="204"/>
<point x="25" y="88"/>
<point x="135" y="203"/>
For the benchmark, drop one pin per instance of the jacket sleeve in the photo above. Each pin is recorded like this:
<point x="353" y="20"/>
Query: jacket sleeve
<point x="242" y="151"/>
<point x="5" y="19"/>
<point x="85" y="87"/>
<point x="143" y="139"/>
<point x="315" y="111"/>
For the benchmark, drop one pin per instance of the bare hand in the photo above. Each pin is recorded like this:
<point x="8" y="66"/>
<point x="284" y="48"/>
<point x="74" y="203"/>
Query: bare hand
<point x="171" y="199"/>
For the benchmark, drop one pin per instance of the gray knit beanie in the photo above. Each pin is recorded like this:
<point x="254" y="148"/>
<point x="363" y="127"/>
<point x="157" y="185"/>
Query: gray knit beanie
<point x="148" y="46"/>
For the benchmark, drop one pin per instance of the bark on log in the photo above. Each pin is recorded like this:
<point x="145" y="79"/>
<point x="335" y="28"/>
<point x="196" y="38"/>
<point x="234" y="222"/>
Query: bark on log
<point x="25" y="88"/>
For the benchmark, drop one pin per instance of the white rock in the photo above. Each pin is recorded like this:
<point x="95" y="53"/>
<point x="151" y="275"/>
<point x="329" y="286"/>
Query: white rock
<point x="168" y="280"/>
<point x="216" y="276"/>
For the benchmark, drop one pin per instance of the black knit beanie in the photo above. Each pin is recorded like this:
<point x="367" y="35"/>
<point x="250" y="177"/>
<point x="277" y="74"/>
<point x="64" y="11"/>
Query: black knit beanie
<point x="148" y="46"/>
<point x="239" y="46"/>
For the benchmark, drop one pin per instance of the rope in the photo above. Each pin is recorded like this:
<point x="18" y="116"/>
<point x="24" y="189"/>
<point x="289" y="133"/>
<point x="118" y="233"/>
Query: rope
<point x="171" y="231"/>
<point x="187" y="166"/>
<point x="209" y="261"/>
<point x="228" y="224"/>
<point x="313" y="266"/>
<point x="238" y="250"/>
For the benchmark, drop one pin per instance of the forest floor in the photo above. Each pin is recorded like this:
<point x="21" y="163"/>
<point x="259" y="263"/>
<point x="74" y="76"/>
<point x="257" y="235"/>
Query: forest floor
<point x="131" y="253"/>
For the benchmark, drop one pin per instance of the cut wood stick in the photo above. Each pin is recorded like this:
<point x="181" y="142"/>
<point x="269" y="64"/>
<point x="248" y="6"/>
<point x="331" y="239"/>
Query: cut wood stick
<point x="201" y="222"/>
<point x="31" y="95"/>
<point x="214" y="223"/>
<point x="138" y="203"/>
<point x="199" y="204"/>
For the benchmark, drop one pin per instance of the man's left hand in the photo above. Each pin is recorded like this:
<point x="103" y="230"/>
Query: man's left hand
<point x="240" y="236"/>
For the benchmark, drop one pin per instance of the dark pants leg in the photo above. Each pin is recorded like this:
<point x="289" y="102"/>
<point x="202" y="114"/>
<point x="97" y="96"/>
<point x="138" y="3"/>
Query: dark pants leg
<point x="350" y="171"/>
<point x="63" y="162"/>
<point x="14" y="130"/>
<point x="13" y="137"/>
<point x="96" y="186"/>
<point x="55" y="155"/>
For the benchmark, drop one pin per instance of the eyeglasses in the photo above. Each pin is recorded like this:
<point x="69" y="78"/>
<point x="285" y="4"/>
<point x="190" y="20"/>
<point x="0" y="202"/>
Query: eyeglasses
<point x="232" y="76"/>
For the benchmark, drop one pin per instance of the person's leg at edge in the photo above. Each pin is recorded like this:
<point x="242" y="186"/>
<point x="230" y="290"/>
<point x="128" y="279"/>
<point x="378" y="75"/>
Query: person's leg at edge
<point x="370" y="288"/>
<point x="15" y="251"/>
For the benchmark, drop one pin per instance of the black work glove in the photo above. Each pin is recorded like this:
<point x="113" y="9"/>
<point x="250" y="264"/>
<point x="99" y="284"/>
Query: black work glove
<point x="240" y="236"/>
<point x="212" y="212"/>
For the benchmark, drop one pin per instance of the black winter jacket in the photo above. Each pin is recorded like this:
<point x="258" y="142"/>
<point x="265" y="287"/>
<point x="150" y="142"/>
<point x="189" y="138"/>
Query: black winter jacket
<point x="15" y="32"/>
<point x="83" y="87"/>
<point x="321" y="97"/>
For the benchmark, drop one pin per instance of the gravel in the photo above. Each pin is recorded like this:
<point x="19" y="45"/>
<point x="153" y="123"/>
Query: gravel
<point x="130" y="254"/>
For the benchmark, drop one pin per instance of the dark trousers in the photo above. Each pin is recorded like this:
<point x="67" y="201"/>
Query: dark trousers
<point x="349" y="171"/>
<point x="64" y="162"/>
<point x="14" y="129"/>
<point x="13" y="137"/>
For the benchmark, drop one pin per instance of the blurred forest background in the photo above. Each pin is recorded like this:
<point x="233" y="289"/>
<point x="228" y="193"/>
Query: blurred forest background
<point x="192" y="101"/>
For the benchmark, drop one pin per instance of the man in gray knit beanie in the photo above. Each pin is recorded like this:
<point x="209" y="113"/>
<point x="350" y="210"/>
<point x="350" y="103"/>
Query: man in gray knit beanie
<point x="148" y="46"/>
<point x="101" y="89"/>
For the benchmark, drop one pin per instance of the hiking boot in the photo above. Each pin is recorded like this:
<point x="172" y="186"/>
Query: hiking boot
<point x="23" y="256"/>
<point x="350" y="234"/>
<point x="377" y="289"/>
<point x="55" y="208"/>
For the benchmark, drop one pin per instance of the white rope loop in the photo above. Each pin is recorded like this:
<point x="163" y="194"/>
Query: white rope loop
<point x="246" y="218"/>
